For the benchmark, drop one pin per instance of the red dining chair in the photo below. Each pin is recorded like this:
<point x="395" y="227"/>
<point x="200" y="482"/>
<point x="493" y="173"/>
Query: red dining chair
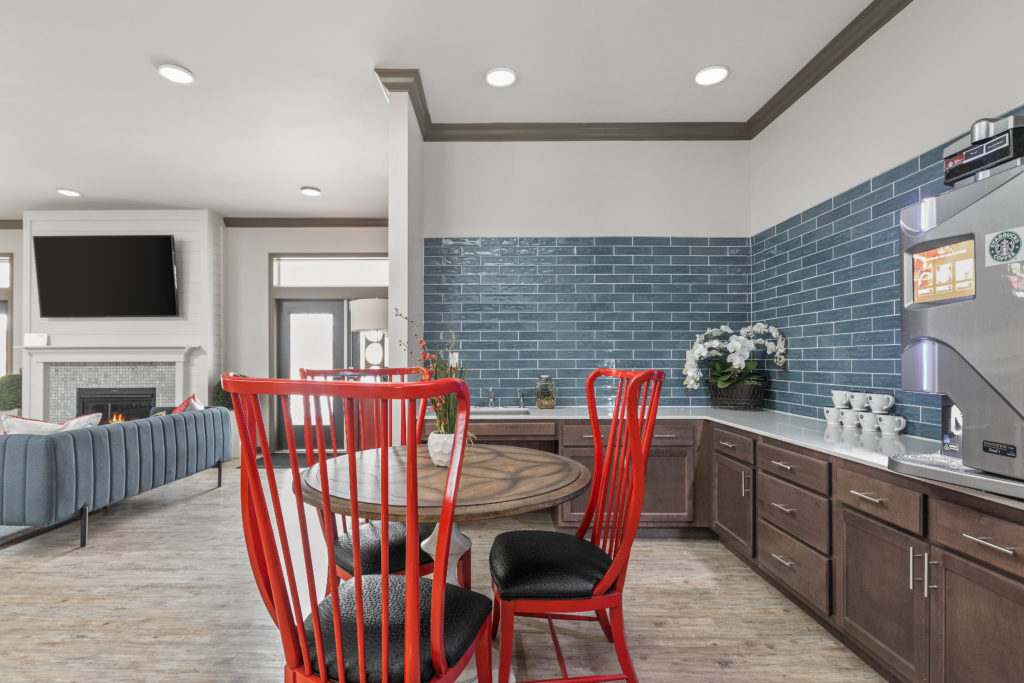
<point x="370" y="536"/>
<point x="372" y="627"/>
<point x="553" y="575"/>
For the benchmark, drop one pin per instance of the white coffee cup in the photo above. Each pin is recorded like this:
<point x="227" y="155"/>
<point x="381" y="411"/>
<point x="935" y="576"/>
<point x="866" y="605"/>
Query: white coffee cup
<point x="831" y="415"/>
<point x="881" y="403"/>
<point x="840" y="398"/>
<point x="868" y="420"/>
<point x="859" y="400"/>
<point x="891" y="425"/>
<point x="848" y="417"/>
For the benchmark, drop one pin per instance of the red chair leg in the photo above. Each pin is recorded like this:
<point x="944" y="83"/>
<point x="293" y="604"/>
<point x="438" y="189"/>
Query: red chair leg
<point x="495" y="613"/>
<point x="464" y="571"/>
<point x="602" y="618"/>
<point x="508" y="620"/>
<point x="483" y="654"/>
<point x="619" y="631"/>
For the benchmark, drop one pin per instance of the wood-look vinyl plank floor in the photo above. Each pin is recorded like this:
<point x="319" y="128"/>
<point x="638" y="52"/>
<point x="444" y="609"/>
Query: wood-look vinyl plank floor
<point x="164" y="592"/>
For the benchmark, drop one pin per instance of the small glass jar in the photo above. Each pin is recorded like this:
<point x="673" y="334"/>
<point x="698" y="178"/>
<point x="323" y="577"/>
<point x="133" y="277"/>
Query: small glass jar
<point x="546" y="393"/>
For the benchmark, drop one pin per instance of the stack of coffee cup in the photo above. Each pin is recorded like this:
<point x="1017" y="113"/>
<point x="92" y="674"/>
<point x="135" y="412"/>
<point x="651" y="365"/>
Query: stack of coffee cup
<point x="859" y="409"/>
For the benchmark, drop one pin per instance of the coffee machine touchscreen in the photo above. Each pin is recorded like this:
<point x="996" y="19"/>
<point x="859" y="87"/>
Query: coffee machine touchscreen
<point x="946" y="272"/>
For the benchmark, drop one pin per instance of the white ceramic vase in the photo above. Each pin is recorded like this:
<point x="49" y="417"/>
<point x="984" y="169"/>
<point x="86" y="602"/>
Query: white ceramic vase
<point x="439" y="446"/>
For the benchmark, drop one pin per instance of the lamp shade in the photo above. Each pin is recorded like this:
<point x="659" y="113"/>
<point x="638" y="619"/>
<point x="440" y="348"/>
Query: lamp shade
<point x="368" y="314"/>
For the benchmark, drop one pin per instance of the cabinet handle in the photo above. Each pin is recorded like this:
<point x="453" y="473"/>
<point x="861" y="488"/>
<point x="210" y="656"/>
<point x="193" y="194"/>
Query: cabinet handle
<point x="911" y="564"/>
<point x="664" y="436"/>
<point x="866" y="496"/>
<point x="926" y="584"/>
<point x="782" y="465"/>
<point x="782" y="560"/>
<point x="587" y="436"/>
<point x="987" y="544"/>
<point x="727" y="444"/>
<point x="743" y="485"/>
<point x="785" y="509"/>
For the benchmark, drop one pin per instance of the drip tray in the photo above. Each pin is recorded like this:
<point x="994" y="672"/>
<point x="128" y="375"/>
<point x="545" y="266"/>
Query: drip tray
<point x="953" y="471"/>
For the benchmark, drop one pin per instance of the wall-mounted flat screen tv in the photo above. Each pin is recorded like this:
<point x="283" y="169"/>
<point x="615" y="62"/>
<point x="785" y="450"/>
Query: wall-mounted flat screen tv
<point x="106" y="276"/>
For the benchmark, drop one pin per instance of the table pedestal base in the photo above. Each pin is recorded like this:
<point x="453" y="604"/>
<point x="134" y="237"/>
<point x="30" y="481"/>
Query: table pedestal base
<point x="459" y="545"/>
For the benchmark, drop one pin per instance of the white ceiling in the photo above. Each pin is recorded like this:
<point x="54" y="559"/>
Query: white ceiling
<point x="286" y="95"/>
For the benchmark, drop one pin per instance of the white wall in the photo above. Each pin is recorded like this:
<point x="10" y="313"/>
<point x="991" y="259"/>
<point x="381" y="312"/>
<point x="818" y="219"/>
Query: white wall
<point x="924" y="78"/>
<point x="246" y="319"/>
<point x="604" y="188"/>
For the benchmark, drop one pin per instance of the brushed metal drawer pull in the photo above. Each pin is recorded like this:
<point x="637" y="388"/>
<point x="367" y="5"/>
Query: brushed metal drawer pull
<point x="782" y="560"/>
<point x="782" y="465"/>
<point x="911" y="563"/>
<point x="743" y="485"/>
<point x="866" y="496"/>
<point x="785" y="509"/>
<point x="928" y="586"/>
<point x="727" y="444"/>
<point x="664" y="436"/>
<point x="587" y="436"/>
<point x="988" y="544"/>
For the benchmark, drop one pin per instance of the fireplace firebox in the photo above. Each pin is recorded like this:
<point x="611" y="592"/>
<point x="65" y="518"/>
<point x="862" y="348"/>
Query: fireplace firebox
<point x="117" y="404"/>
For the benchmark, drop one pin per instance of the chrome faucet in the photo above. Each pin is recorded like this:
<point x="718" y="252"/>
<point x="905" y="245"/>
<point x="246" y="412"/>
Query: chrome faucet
<point x="490" y="398"/>
<point x="522" y="400"/>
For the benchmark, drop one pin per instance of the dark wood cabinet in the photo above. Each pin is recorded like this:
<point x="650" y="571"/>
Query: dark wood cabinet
<point x="732" y="502"/>
<point x="977" y="622"/>
<point x="880" y="600"/>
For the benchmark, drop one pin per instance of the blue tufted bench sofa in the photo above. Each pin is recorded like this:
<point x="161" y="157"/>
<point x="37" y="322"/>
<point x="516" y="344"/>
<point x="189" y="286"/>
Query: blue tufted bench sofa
<point x="48" y="479"/>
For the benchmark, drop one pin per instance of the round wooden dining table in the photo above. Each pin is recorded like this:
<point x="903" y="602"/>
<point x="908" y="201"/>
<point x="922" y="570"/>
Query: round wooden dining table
<point x="496" y="481"/>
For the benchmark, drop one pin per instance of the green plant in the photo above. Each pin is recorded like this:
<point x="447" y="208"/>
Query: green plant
<point x="441" y="365"/>
<point x="219" y="397"/>
<point x="10" y="392"/>
<point x="729" y="360"/>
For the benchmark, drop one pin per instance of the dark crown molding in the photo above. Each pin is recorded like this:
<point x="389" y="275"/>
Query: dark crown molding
<point x="260" y="222"/>
<point x="864" y="25"/>
<point x="10" y="224"/>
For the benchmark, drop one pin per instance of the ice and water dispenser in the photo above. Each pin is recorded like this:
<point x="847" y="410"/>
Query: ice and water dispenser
<point x="963" y="310"/>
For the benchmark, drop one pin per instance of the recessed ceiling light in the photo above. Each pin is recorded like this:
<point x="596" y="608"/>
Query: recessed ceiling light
<point x="711" y="75"/>
<point x="175" y="73"/>
<point x="500" y="77"/>
<point x="310" y="191"/>
<point x="68" y="193"/>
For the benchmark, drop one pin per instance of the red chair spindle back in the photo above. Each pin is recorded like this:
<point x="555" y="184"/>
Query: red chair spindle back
<point x="620" y="462"/>
<point x="288" y="574"/>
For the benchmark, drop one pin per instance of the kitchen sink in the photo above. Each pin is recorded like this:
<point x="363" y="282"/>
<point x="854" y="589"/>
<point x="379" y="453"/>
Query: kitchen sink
<point x="498" y="410"/>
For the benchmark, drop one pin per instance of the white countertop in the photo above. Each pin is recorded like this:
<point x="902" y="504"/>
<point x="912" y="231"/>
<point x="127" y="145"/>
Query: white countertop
<point x="869" y="448"/>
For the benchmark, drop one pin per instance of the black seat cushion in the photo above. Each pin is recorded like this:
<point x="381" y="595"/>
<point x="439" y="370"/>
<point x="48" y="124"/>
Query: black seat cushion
<point x="369" y="547"/>
<point x="546" y="565"/>
<point x="464" y="614"/>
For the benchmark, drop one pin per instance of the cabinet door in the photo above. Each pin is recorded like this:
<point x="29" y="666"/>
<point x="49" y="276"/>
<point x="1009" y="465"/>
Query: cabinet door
<point x="732" y="506"/>
<point x="668" y="488"/>
<point x="976" y="618"/>
<point x="880" y="600"/>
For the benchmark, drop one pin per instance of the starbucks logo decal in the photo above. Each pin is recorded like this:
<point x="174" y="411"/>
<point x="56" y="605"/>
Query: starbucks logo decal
<point x="1004" y="246"/>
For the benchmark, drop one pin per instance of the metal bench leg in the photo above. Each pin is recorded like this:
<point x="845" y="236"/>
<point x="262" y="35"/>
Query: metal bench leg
<point x="84" y="528"/>
<point x="220" y="470"/>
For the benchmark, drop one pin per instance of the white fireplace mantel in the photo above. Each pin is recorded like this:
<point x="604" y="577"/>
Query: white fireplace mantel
<point x="37" y="357"/>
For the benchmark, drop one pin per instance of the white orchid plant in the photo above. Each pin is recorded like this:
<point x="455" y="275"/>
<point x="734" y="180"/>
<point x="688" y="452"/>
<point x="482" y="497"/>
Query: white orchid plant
<point x="728" y="355"/>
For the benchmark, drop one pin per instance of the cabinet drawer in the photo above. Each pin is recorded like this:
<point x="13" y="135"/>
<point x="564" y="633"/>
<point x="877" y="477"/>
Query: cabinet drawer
<point x="992" y="540"/>
<point x="889" y="502"/>
<point x="518" y="429"/>
<point x="733" y="444"/>
<point x="675" y="433"/>
<point x="801" y="513"/>
<point x="804" y="570"/>
<point x="798" y="468"/>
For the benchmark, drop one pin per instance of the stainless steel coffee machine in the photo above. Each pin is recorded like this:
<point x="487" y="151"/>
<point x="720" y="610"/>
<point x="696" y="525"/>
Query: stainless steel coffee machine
<point x="963" y="309"/>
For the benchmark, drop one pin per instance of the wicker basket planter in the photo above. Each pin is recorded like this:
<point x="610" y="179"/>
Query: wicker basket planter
<point x="746" y="395"/>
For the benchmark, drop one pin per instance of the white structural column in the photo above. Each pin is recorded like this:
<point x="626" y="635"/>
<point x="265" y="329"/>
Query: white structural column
<point x="405" y="223"/>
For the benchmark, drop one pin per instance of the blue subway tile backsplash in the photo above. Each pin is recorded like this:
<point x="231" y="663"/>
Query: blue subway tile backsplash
<point x="563" y="306"/>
